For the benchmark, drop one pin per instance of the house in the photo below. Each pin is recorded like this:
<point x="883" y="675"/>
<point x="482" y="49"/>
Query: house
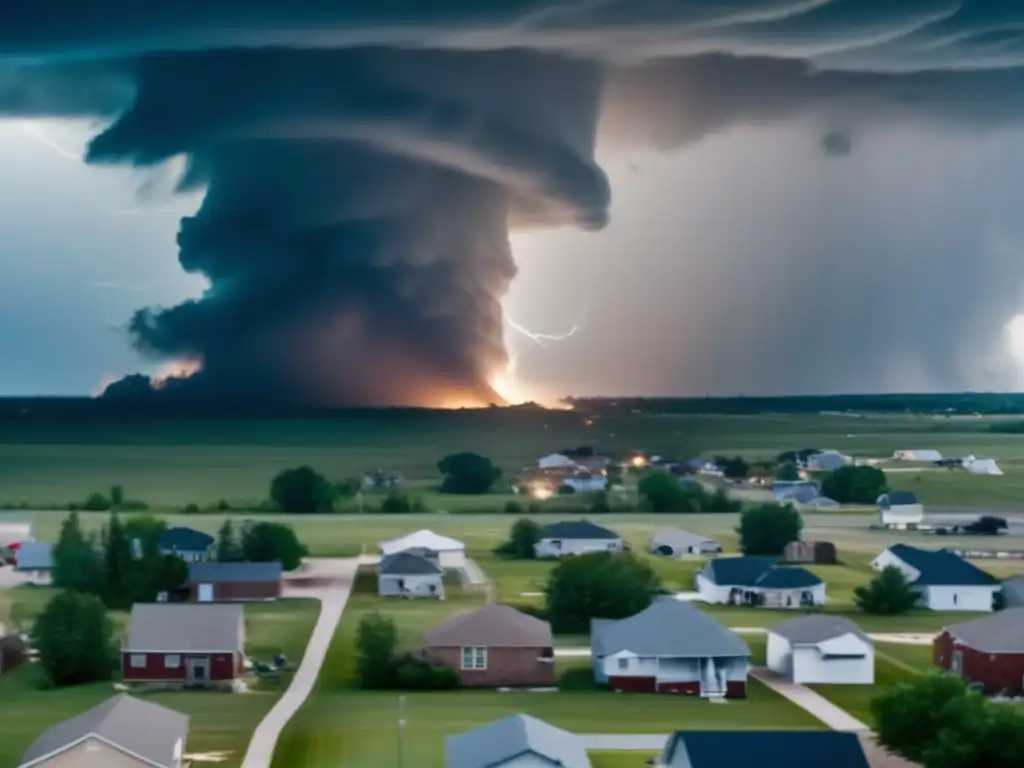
<point x="944" y="581"/>
<point x="816" y="552"/>
<point x="817" y="648"/>
<point x="918" y="454"/>
<point x="796" y="491"/>
<point x="669" y="647"/>
<point x="792" y="749"/>
<point x="190" y="545"/>
<point x="122" y="731"/>
<point x="211" y="582"/>
<point x="190" y="643"/>
<point x="585" y="482"/>
<point x="35" y="558"/>
<point x="582" y="458"/>
<point x="988" y="651"/>
<point x="1013" y="592"/>
<point x="825" y="461"/>
<point x="378" y="479"/>
<point x="673" y="542"/>
<point x="976" y="466"/>
<point x="517" y="741"/>
<point x="494" y="646"/>
<point x="899" y="509"/>
<point x="575" y="537"/>
<point x="759" y="580"/>
<point x="451" y="553"/>
<point x="404" y="574"/>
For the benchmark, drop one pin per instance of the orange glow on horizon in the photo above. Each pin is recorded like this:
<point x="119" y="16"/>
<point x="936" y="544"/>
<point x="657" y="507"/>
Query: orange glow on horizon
<point x="176" y="369"/>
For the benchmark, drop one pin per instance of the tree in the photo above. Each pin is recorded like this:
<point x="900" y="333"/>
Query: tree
<point x="265" y="542"/>
<point x="227" y="549"/>
<point x="522" y="537"/>
<point x="76" y="563"/>
<point x="852" y="484"/>
<point x="96" y="502"/>
<point x="145" y="529"/>
<point x="888" y="594"/>
<point x="75" y="639"/>
<point x="116" y="497"/>
<point x="598" y="585"/>
<point x="733" y="467"/>
<point x="664" y="493"/>
<point x="467" y="473"/>
<point x="599" y="504"/>
<point x="376" y="642"/>
<point x="767" y="529"/>
<point x="117" y="556"/>
<point x="302" y="490"/>
<point x="147" y="577"/>
<point x="787" y="471"/>
<point x="396" y="504"/>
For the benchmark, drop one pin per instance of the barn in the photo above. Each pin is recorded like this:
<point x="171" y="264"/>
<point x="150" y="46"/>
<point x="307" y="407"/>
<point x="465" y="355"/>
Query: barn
<point x="987" y="651"/>
<point x="211" y="582"/>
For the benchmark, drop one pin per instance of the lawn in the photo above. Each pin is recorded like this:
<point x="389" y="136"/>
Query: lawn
<point x="620" y="759"/>
<point x="220" y="722"/>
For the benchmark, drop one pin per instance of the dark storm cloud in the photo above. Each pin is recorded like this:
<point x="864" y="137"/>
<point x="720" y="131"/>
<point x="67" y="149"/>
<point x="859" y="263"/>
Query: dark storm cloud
<point x="363" y="162"/>
<point x="836" y="144"/>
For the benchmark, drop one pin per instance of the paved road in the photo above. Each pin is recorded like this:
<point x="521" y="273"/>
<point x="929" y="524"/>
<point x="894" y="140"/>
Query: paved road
<point x="811" y="702"/>
<point x="330" y="581"/>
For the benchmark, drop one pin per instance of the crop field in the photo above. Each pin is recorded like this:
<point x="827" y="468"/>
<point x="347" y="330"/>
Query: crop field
<point x="172" y="463"/>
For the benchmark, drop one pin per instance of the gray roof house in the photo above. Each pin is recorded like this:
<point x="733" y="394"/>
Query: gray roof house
<point x="513" y="741"/>
<point x="576" y="537"/>
<point x="403" y="574"/>
<point x="122" y="731"/>
<point x="674" y="542"/>
<point x="1013" y="592"/>
<point x="35" y="556"/>
<point x="733" y="749"/>
<point x="669" y="647"/>
<point x="820" y="648"/>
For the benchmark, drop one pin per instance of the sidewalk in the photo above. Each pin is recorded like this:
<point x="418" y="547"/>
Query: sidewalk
<point x="814" y="703"/>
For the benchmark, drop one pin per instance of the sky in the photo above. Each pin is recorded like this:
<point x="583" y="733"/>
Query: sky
<point x="531" y="200"/>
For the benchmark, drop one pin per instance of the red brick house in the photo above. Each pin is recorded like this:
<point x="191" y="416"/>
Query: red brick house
<point x="211" y="582"/>
<point x="988" y="651"/>
<point x="494" y="646"/>
<point x="185" y="643"/>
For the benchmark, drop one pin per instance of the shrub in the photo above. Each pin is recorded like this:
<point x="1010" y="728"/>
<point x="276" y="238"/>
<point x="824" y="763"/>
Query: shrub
<point x="522" y="537"/>
<point x="265" y="542"/>
<point x="191" y="509"/>
<point x="767" y="529"/>
<point x="223" y="506"/>
<point x="854" y="484"/>
<point x="96" y="502"/>
<point x="888" y="594"/>
<point x="513" y="508"/>
<point x="396" y="504"/>
<point x="467" y="473"/>
<point x="75" y="639"/>
<point x="302" y="490"/>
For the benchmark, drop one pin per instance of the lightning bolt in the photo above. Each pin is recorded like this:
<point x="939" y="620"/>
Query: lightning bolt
<point x="541" y="338"/>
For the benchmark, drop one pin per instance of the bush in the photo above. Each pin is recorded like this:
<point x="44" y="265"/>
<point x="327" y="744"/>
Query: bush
<point x="522" y="538"/>
<point x="854" y="485"/>
<point x="599" y="585"/>
<point x="662" y="492"/>
<point x="302" y="490"/>
<point x="378" y="667"/>
<point x="75" y="639"/>
<point x="767" y="529"/>
<point x="396" y="504"/>
<point x="264" y="542"/>
<point x="133" y="505"/>
<point x="223" y="506"/>
<point x="888" y="594"/>
<point x="513" y="508"/>
<point x="467" y="473"/>
<point x="96" y="502"/>
<point x="191" y="509"/>
<point x="599" y="504"/>
<point x="414" y="674"/>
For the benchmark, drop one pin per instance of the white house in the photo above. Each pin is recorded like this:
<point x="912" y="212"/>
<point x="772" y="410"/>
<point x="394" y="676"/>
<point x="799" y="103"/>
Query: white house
<point x="586" y="483"/>
<point x="556" y="461"/>
<point x="404" y="574"/>
<point x="819" y="648"/>
<point x="917" y="454"/>
<point x="944" y="581"/>
<point x="978" y="466"/>
<point x="673" y="542"/>
<point x="825" y="461"/>
<point x="451" y="553"/>
<point x="899" y="509"/>
<point x="758" y="581"/>
<point x="576" y="537"/>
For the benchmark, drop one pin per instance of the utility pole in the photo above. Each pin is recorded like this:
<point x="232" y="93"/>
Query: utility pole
<point x="401" y="731"/>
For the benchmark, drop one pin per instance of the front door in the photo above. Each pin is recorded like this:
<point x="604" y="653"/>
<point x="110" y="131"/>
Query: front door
<point x="206" y="593"/>
<point x="198" y="670"/>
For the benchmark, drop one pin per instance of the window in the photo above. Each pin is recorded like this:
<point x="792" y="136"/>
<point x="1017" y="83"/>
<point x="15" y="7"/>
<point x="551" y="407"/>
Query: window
<point x="954" y="598"/>
<point x="474" y="658"/>
<point x="172" y="661"/>
<point x="957" y="663"/>
<point x="556" y="544"/>
<point x="138" y="661"/>
<point x="623" y="663"/>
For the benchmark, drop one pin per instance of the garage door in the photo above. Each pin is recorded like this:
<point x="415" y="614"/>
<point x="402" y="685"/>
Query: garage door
<point x="206" y="593"/>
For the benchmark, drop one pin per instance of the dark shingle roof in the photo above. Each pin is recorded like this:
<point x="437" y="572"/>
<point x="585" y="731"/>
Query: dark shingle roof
<point x="758" y="571"/>
<point x="741" y="749"/>
<point x="941" y="568"/>
<point x="896" y="498"/>
<point x="185" y="540"/>
<point x="576" y="529"/>
<point x="669" y="627"/>
<point x="787" y="577"/>
<point x="404" y="564"/>
<point x="234" y="572"/>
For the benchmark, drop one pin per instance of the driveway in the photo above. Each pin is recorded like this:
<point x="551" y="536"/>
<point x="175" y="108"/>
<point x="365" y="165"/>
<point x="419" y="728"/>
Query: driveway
<point x="624" y="742"/>
<point x="811" y="702"/>
<point x="330" y="581"/>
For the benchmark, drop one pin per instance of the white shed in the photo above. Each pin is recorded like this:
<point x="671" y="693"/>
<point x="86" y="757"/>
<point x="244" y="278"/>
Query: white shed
<point x="978" y="466"/>
<point x="451" y="553"/>
<point x="575" y="537"/>
<point x="586" y="483"/>
<point x="917" y="454"/>
<point x="821" y="649"/>
<point x="899" y="509"/>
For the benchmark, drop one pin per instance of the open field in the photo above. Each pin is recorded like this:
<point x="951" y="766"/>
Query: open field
<point x="171" y="463"/>
<point x="620" y="759"/>
<point x="220" y="722"/>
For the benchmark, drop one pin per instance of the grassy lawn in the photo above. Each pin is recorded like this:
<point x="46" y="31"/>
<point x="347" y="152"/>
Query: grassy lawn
<point x="220" y="722"/>
<point x="620" y="759"/>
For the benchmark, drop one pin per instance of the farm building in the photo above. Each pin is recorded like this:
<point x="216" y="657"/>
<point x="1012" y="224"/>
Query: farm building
<point x="759" y="581"/>
<point x="899" y="509"/>
<point x="190" y="545"/>
<point x="814" y="552"/>
<point x="122" y="731"/>
<point x="405" y="574"/>
<point x="451" y="553"/>
<point x="35" y="558"/>
<point x="517" y="741"/>
<point x="210" y="582"/>
<point x="821" y="649"/>
<point x="193" y="644"/>
<point x="494" y="646"/>
<point x="792" y="749"/>
<point x="670" y="647"/>
<point x="987" y="651"/>
<point x="796" y="491"/>
<point x="917" y="454"/>
<point x="674" y="542"/>
<point x="944" y="581"/>
<point x="575" y="537"/>
<point x="976" y="466"/>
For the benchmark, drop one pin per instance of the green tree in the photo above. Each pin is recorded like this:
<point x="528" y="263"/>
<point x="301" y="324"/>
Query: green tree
<point x="396" y="504"/>
<point x="852" y="484"/>
<point x="599" y="504"/>
<point x="302" y="490"/>
<point x="116" y="497"/>
<point x="663" y="493"/>
<point x="787" y="471"/>
<point x="597" y="586"/>
<point x="467" y="473"/>
<point x="376" y="643"/>
<point x="145" y="529"/>
<point x="75" y="639"/>
<point x="733" y="467"/>
<point x="888" y="594"/>
<point x="768" y="528"/>
<point x="264" y="542"/>
<point x="96" y="502"/>
<point x="117" y="556"/>
<point x="522" y="538"/>
<point x="227" y="549"/>
<point x="77" y="565"/>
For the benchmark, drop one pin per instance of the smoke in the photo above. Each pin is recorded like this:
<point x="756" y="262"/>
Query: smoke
<point x="362" y="169"/>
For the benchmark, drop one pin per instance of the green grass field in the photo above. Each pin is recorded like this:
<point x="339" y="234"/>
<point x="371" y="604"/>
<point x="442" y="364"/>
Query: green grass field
<point x="220" y="722"/>
<point x="620" y="759"/>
